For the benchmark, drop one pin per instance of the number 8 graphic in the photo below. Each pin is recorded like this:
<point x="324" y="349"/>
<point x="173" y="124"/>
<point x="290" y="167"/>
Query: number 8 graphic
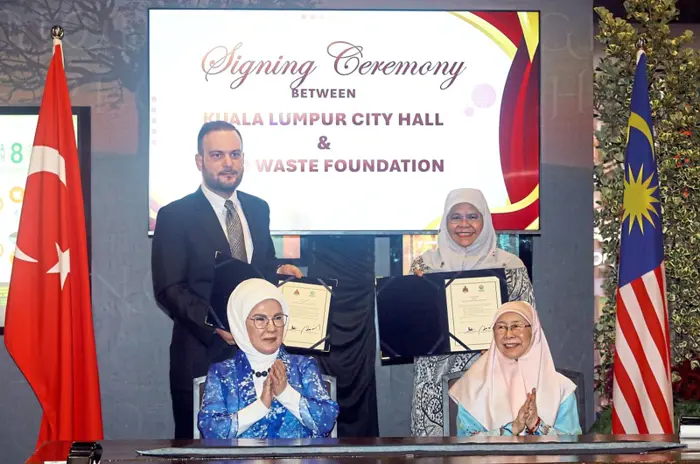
<point x="16" y="155"/>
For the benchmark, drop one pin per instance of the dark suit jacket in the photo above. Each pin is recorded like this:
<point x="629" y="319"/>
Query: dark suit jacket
<point x="186" y="238"/>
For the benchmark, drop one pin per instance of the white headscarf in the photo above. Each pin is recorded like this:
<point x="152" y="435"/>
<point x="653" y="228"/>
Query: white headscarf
<point x="482" y="254"/>
<point x="495" y="387"/>
<point x="243" y="299"/>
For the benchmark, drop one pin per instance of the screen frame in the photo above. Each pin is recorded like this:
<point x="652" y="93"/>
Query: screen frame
<point x="84" y="140"/>
<point x="374" y="232"/>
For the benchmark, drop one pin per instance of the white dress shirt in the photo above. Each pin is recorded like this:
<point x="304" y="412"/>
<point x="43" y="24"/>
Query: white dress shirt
<point x="218" y="203"/>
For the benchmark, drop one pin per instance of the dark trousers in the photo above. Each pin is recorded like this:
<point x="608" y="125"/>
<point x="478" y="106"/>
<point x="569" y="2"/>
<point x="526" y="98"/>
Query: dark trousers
<point x="183" y="413"/>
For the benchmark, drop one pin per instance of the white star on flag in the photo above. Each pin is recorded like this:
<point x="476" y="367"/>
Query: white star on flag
<point x="62" y="266"/>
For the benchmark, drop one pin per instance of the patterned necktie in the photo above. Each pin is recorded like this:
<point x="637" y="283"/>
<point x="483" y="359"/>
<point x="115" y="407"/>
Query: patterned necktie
<point x="234" y="232"/>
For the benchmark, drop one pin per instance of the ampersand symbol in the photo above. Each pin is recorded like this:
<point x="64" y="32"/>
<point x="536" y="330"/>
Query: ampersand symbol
<point x="323" y="143"/>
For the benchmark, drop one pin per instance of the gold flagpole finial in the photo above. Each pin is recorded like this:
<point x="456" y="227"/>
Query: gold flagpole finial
<point x="57" y="32"/>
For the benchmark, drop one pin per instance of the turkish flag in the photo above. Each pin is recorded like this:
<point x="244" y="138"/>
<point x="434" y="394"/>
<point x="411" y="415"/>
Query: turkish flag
<point x="48" y="326"/>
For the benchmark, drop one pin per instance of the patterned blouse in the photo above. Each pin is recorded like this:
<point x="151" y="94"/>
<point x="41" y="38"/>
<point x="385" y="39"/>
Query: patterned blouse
<point x="229" y="389"/>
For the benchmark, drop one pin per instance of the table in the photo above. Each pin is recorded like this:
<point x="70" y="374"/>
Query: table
<point x="478" y="450"/>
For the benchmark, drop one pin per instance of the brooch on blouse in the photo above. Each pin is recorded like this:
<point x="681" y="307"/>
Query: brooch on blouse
<point x="261" y="374"/>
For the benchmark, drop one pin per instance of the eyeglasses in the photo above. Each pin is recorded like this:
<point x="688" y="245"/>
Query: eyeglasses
<point x="471" y="218"/>
<point x="262" y="322"/>
<point x="517" y="329"/>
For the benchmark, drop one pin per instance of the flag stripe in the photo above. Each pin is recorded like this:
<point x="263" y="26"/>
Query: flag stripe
<point x="622" y="412"/>
<point x="647" y="326"/>
<point x="636" y="377"/>
<point x="630" y="396"/>
<point x="616" y="423"/>
<point x="649" y="386"/>
<point x="653" y="312"/>
<point x="660" y="273"/>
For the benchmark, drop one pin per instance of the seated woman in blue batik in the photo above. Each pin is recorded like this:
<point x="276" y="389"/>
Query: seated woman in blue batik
<point x="513" y="389"/>
<point x="262" y="391"/>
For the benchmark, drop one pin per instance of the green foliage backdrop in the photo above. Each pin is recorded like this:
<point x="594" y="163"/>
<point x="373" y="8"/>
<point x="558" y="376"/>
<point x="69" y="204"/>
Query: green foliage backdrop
<point x="674" y="78"/>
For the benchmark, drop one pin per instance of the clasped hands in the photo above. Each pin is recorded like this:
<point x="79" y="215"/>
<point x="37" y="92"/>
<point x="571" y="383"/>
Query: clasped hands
<point x="527" y="415"/>
<point x="275" y="383"/>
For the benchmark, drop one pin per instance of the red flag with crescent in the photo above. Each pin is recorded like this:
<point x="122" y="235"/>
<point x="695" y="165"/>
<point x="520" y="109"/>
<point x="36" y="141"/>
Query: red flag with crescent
<point x="48" y="328"/>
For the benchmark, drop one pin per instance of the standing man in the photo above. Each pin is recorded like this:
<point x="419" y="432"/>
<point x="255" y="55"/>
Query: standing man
<point x="188" y="234"/>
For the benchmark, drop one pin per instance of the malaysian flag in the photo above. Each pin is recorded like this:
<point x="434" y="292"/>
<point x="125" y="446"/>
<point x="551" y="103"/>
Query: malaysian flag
<point x="642" y="398"/>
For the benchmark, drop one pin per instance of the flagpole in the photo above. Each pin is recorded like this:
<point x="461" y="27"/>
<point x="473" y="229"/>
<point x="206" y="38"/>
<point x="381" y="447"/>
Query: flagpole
<point x="640" y="48"/>
<point x="57" y="34"/>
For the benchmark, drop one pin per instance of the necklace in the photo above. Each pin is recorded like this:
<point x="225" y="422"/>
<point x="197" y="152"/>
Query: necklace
<point x="261" y="374"/>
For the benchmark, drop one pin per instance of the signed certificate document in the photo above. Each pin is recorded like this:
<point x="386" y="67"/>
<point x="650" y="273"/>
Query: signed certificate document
<point x="471" y="305"/>
<point x="309" y="306"/>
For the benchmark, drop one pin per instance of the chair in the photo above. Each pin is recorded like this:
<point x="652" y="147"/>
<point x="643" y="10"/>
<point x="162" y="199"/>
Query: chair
<point x="198" y="390"/>
<point x="332" y="388"/>
<point x="449" y="407"/>
<point x="577" y="379"/>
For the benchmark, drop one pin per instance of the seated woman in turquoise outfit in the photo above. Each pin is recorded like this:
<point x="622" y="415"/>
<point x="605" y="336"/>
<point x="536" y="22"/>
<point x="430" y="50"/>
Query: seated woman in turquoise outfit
<point x="262" y="391"/>
<point x="513" y="389"/>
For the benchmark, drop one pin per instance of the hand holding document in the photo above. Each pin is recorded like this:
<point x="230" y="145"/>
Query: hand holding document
<point x="471" y="305"/>
<point x="309" y="305"/>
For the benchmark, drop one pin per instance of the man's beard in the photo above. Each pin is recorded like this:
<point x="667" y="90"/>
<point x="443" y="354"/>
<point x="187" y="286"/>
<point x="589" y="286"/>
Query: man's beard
<point x="213" y="183"/>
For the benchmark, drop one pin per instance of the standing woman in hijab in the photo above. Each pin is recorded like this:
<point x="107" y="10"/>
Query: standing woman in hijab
<point x="513" y="389"/>
<point x="467" y="241"/>
<point x="262" y="391"/>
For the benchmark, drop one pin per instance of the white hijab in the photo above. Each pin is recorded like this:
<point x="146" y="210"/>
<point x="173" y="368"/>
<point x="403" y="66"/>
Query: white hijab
<point x="495" y="387"/>
<point x="241" y="302"/>
<point x="482" y="254"/>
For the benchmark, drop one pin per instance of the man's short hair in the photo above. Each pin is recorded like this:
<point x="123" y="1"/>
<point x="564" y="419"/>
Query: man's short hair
<point x="213" y="126"/>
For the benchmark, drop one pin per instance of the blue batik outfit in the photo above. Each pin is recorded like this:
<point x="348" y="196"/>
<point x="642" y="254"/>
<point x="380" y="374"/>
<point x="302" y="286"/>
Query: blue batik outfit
<point x="231" y="408"/>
